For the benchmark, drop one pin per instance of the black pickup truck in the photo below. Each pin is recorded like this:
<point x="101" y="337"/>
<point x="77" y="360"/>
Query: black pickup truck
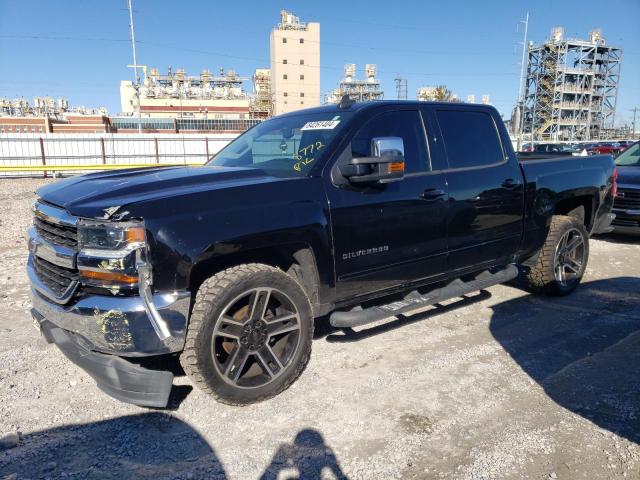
<point x="353" y="213"/>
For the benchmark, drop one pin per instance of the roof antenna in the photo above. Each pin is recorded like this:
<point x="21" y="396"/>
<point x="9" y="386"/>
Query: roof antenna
<point x="346" y="101"/>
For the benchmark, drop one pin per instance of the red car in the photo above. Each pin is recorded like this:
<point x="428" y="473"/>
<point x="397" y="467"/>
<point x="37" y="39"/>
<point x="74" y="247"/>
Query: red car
<point x="604" y="148"/>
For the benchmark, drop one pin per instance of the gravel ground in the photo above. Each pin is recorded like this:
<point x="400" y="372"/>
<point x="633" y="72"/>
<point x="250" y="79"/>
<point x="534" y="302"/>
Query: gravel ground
<point x="502" y="384"/>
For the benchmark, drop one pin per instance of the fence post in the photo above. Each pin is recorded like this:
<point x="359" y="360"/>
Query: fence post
<point x="104" y="157"/>
<point x="155" y="140"/>
<point x="44" y="161"/>
<point x="206" y="144"/>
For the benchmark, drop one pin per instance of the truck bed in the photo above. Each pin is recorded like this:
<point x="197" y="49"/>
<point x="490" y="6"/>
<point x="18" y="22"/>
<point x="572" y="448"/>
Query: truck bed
<point x="566" y="179"/>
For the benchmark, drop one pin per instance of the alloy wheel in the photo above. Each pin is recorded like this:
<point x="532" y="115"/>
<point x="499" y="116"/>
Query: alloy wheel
<point x="569" y="257"/>
<point x="256" y="337"/>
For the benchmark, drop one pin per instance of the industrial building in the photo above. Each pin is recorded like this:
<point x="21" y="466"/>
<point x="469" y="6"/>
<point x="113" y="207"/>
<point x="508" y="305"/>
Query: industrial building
<point x="49" y="115"/>
<point x="44" y="106"/>
<point x="571" y="88"/>
<point x="175" y="102"/>
<point x="177" y="94"/>
<point x="219" y="102"/>
<point x="295" y="64"/>
<point x="357" y="89"/>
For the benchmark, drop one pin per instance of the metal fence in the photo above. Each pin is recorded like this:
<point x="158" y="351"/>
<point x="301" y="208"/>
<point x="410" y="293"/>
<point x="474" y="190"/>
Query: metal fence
<point x="66" y="153"/>
<point x="181" y="124"/>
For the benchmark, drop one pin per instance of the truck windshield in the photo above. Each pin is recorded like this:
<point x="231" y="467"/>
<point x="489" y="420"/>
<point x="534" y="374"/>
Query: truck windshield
<point x="630" y="157"/>
<point x="286" y="146"/>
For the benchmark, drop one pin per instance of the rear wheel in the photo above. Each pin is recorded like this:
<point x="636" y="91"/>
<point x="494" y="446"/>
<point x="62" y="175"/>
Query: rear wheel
<point x="563" y="259"/>
<point x="250" y="334"/>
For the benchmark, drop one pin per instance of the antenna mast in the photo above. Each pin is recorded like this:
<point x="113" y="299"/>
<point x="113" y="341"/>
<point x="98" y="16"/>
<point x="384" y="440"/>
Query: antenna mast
<point x="520" y="101"/>
<point x="136" y="78"/>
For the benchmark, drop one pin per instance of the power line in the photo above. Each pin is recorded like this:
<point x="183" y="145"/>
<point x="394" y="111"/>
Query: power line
<point x="323" y="42"/>
<point x="74" y="39"/>
<point x="328" y="67"/>
<point x="392" y="26"/>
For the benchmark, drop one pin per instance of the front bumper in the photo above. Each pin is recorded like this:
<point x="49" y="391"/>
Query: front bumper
<point x="117" y="377"/>
<point x="627" y="221"/>
<point x="120" y="325"/>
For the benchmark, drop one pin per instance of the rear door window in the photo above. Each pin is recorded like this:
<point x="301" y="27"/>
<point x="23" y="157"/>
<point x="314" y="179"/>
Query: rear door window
<point x="470" y="138"/>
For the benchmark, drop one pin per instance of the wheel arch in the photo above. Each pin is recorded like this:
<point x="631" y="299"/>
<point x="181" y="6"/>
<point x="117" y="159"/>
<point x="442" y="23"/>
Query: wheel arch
<point x="580" y="207"/>
<point x="296" y="259"/>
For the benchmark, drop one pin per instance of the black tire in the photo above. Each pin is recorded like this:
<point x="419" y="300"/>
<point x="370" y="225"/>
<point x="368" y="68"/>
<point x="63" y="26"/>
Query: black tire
<point x="554" y="257"/>
<point x="223" y="329"/>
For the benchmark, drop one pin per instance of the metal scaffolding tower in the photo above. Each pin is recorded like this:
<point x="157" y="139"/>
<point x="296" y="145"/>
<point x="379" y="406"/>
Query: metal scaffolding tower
<point x="401" y="88"/>
<point x="262" y="101"/>
<point x="571" y="88"/>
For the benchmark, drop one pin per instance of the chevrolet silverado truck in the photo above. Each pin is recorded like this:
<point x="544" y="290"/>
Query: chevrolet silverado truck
<point x="351" y="213"/>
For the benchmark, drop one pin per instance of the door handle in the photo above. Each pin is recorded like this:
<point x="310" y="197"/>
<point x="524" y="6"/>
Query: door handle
<point x="510" y="183"/>
<point x="432" y="194"/>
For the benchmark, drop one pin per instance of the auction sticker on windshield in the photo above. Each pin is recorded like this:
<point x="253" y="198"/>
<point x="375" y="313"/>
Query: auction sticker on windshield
<point x="321" y="125"/>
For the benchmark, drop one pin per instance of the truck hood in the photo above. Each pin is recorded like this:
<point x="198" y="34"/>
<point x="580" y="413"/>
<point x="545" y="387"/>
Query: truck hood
<point x="629" y="176"/>
<point x="103" y="194"/>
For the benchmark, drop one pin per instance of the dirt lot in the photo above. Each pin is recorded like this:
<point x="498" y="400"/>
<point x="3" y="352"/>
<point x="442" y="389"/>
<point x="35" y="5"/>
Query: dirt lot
<point x="502" y="384"/>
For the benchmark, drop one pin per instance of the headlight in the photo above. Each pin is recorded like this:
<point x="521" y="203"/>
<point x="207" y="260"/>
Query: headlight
<point x="110" y="236"/>
<point x="110" y="253"/>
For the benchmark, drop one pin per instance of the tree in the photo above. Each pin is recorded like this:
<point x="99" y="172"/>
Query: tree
<point x="443" y="94"/>
<point x="436" y="94"/>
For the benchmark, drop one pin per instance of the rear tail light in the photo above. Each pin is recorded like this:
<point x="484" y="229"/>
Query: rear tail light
<point x="614" y="183"/>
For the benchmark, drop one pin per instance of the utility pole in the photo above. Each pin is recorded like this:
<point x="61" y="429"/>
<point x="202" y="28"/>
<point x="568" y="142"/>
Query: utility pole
<point x="521" y="85"/>
<point x="136" y="78"/>
<point x="634" y="110"/>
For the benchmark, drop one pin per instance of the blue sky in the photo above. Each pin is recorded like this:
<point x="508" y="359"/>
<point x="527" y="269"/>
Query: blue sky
<point x="80" y="49"/>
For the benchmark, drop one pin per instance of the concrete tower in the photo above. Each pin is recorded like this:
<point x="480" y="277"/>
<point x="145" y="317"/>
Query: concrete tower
<point x="295" y="64"/>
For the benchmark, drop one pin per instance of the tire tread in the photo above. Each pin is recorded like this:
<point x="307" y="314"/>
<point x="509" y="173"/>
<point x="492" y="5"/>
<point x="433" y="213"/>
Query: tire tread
<point x="541" y="277"/>
<point x="206" y="301"/>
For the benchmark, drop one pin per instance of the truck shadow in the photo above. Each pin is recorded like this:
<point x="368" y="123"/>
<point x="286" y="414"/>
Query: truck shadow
<point x="151" y="446"/>
<point x="584" y="349"/>
<point x="619" y="238"/>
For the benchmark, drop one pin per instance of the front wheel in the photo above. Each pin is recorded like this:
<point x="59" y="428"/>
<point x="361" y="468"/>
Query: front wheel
<point x="250" y="334"/>
<point x="563" y="258"/>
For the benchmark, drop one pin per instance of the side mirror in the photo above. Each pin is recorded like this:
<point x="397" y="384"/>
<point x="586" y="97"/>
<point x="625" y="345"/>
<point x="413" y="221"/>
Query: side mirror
<point x="386" y="163"/>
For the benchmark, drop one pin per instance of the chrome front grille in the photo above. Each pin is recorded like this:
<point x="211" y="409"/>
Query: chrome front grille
<point x="53" y="243"/>
<point x="55" y="233"/>
<point x="627" y="199"/>
<point x="58" y="279"/>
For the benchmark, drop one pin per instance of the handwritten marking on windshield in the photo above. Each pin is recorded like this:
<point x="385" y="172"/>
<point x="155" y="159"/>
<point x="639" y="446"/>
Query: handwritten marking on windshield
<point x="303" y="159"/>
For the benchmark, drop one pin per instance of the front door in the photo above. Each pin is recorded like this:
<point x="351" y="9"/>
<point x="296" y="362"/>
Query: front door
<point x="390" y="234"/>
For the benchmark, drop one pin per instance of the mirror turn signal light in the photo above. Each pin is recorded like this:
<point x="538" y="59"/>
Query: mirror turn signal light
<point x="395" y="167"/>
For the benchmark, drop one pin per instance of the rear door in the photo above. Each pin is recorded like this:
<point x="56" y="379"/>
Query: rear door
<point x="390" y="234"/>
<point x="486" y="191"/>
